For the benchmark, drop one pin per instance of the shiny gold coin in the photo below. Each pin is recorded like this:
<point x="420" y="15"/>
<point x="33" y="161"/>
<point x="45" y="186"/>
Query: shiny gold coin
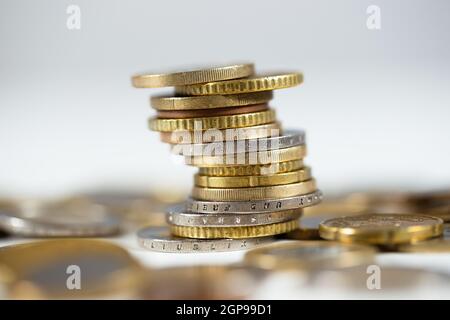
<point x="254" y="132"/>
<point x="255" y="84"/>
<point x="252" y="170"/>
<point x="220" y="122"/>
<point x="255" y="193"/>
<point x="234" y="232"/>
<point x="303" y="233"/>
<point x="253" y="181"/>
<point x="193" y="77"/>
<point x="311" y="255"/>
<point x="381" y="229"/>
<point x="200" y="113"/>
<point x="249" y="158"/>
<point x="210" y="102"/>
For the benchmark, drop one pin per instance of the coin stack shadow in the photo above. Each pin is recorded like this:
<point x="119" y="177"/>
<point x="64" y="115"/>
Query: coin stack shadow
<point x="252" y="183"/>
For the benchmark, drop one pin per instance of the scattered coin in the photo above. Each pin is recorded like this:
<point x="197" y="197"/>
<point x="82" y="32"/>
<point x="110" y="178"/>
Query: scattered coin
<point x="381" y="229"/>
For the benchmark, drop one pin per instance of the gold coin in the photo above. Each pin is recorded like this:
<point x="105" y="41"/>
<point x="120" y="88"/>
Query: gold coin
<point x="233" y="232"/>
<point x="303" y="233"/>
<point x="192" y="77"/>
<point x="309" y="255"/>
<point x="249" y="158"/>
<point x="220" y="122"/>
<point x="255" y="193"/>
<point x="381" y="229"/>
<point x="188" y="137"/>
<point x="253" y="181"/>
<point x="255" y="84"/>
<point x="210" y="102"/>
<point x="252" y="170"/>
<point x="200" y="113"/>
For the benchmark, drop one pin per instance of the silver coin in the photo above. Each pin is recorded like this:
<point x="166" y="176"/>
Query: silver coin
<point x="255" y="206"/>
<point x="64" y="219"/>
<point x="290" y="138"/>
<point x="178" y="215"/>
<point x="159" y="239"/>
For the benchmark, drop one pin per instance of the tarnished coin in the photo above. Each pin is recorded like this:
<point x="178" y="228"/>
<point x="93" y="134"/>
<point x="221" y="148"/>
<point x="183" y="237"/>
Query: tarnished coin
<point x="178" y="215"/>
<point x="290" y="138"/>
<point x="152" y="80"/>
<point x="309" y="255"/>
<point x="381" y="229"/>
<point x="58" y="219"/>
<point x="159" y="239"/>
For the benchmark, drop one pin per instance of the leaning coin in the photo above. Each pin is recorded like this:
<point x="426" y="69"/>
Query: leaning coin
<point x="151" y="80"/>
<point x="254" y="206"/>
<point x="290" y="138"/>
<point x="159" y="239"/>
<point x="58" y="219"/>
<point x="209" y="102"/>
<point x="381" y="229"/>
<point x="310" y="255"/>
<point x="184" y="137"/>
<point x="178" y="215"/>
<point x="252" y="84"/>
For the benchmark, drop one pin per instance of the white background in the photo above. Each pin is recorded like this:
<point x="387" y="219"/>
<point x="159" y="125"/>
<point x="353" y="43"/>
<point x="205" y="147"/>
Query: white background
<point x="375" y="104"/>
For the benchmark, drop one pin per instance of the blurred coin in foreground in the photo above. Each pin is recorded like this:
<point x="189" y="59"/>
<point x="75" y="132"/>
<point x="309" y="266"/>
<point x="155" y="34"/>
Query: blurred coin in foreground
<point x="309" y="255"/>
<point x="54" y="269"/>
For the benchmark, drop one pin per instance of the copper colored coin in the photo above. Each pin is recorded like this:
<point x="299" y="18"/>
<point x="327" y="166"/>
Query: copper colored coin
<point x="183" y="114"/>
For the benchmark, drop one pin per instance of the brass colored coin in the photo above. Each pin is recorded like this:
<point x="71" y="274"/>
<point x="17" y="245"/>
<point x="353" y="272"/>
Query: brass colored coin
<point x="254" y="84"/>
<point x="249" y="158"/>
<point x="381" y="229"/>
<point x="311" y="255"/>
<point x="210" y="102"/>
<point x="199" y="113"/>
<point x="234" y="232"/>
<point x="193" y="77"/>
<point x="256" y="193"/>
<point x="303" y="233"/>
<point x="220" y="122"/>
<point x="189" y="137"/>
<point x="253" y="181"/>
<point x="252" y="170"/>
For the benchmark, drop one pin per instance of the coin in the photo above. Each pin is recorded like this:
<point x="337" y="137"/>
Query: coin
<point x="252" y="170"/>
<point x="184" y="114"/>
<point x="183" y="137"/>
<point x="248" y="158"/>
<point x="381" y="229"/>
<point x="253" y="181"/>
<point x="159" y="239"/>
<point x="256" y="193"/>
<point x="210" y="102"/>
<point x="193" y="76"/>
<point x="254" y="206"/>
<point x="219" y="122"/>
<point x="431" y="246"/>
<point x="179" y="216"/>
<point x="58" y="219"/>
<point x="311" y="255"/>
<point x="236" y="86"/>
<point x="47" y="270"/>
<point x="290" y="138"/>
<point x="234" y="232"/>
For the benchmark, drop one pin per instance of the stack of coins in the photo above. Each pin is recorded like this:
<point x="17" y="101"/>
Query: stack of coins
<point x="251" y="183"/>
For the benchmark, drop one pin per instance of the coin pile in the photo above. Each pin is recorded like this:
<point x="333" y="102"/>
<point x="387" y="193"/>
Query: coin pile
<point x="251" y="183"/>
